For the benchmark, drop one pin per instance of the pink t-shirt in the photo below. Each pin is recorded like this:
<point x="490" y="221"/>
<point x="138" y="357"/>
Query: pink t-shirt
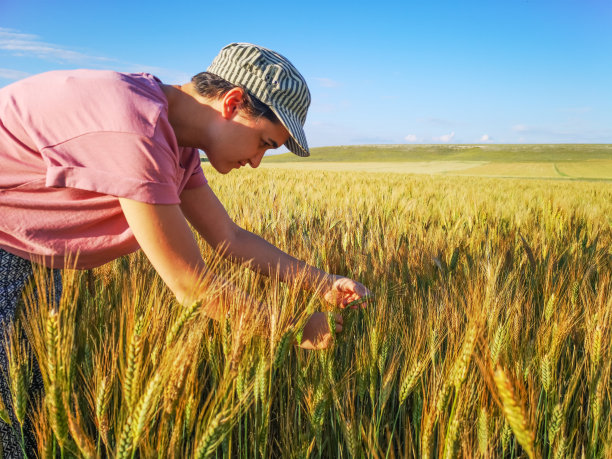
<point x="71" y="142"/>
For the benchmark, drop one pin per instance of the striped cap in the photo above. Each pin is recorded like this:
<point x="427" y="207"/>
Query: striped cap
<point x="272" y="79"/>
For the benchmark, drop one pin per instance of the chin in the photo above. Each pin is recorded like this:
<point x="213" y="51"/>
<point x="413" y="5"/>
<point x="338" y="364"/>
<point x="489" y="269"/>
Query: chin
<point x="221" y="168"/>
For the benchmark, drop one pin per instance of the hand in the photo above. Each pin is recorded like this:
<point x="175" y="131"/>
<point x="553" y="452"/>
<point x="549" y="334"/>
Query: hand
<point x="316" y="334"/>
<point x="344" y="291"/>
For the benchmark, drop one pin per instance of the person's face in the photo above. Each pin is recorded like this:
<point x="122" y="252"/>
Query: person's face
<point x="242" y="140"/>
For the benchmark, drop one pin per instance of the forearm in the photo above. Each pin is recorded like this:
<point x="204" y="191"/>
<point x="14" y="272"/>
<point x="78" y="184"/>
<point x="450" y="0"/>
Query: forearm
<point x="267" y="259"/>
<point x="164" y="236"/>
<point x="219" y="296"/>
<point x="242" y="246"/>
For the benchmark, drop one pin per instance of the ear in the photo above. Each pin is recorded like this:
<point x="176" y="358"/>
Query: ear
<point x="231" y="103"/>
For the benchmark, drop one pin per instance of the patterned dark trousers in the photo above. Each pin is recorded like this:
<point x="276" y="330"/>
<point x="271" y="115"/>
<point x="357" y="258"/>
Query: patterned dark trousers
<point x="15" y="273"/>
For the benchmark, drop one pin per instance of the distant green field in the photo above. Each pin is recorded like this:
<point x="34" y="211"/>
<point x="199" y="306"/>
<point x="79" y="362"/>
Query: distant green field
<point x="405" y="167"/>
<point x="560" y="161"/>
<point x="489" y="153"/>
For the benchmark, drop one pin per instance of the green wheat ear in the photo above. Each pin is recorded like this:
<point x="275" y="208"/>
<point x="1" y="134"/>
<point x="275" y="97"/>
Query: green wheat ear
<point x="358" y="301"/>
<point x="4" y="415"/>
<point x="282" y="348"/>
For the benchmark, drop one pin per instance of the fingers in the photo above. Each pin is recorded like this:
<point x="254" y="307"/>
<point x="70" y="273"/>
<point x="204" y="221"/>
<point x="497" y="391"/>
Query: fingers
<point x="327" y="339"/>
<point x="317" y="335"/>
<point x="352" y="293"/>
<point x="347" y="285"/>
<point x="339" y="323"/>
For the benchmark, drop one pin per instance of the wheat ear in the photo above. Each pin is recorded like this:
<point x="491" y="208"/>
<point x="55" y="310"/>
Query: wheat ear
<point x="513" y="412"/>
<point x="84" y="444"/>
<point x="53" y="397"/>
<point x="213" y="435"/>
<point x="133" y="365"/>
<point x="188" y="314"/>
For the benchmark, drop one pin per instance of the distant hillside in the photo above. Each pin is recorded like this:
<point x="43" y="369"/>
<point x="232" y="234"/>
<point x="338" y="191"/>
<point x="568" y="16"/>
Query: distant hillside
<point x="501" y="153"/>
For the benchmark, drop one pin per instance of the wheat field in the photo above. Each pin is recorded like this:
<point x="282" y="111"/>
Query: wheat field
<point x="488" y="335"/>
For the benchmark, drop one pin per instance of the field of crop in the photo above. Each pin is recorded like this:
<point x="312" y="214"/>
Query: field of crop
<point x="575" y="162"/>
<point x="406" y="167"/>
<point x="549" y="153"/>
<point x="586" y="169"/>
<point x="514" y="169"/>
<point x="488" y="335"/>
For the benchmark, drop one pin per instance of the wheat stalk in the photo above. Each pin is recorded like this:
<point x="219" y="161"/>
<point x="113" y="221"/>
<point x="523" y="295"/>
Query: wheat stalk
<point x="513" y="412"/>
<point x="443" y="395"/>
<point x="261" y="378"/>
<point x="20" y="376"/>
<point x="549" y="309"/>
<point x="546" y="372"/>
<point x="499" y="343"/>
<point x="4" y="414"/>
<point x="452" y="432"/>
<point x="462" y="363"/>
<point x="556" y="420"/>
<point x="143" y="410"/>
<point x="53" y="396"/>
<point x="596" y="347"/>
<point x="483" y="431"/>
<point x="84" y="443"/>
<point x="175" y="383"/>
<point x="426" y="434"/>
<point x="282" y="348"/>
<point x="213" y="435"/>
<point x="186" y="316"/>
<point x="102" y="400"/>
<point x="133" y="364"/>
<point x="409" y="381"/>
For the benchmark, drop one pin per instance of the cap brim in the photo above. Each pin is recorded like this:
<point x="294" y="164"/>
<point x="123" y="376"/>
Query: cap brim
<point x="296" y="143"/>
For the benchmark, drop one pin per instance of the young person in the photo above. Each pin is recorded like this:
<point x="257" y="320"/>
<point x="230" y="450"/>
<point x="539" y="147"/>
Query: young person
<point x="98" y="164"/>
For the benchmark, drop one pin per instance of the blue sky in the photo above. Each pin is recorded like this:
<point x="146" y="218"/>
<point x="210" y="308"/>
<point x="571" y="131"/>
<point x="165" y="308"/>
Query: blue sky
<point x="472" y="71"/>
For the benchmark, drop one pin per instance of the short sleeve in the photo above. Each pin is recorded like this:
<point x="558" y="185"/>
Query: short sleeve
<point x="121" y="164"/>
<point x="197" y="179"/>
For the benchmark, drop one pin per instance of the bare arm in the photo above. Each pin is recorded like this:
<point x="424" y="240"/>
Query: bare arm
<point x="168" y="243"/>
<point x="167" y="240"/>
<point x="206" y="213"/>
<point x="165" y="237"/>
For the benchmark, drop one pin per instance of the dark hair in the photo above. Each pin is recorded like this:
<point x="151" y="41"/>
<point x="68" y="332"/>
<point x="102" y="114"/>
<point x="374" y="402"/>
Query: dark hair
<point x="214" y="87"/>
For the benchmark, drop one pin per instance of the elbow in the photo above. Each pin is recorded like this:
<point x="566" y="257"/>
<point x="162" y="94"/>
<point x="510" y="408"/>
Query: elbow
<point x="189" y="286"/>
<point x="185" y="294"/>
<point x="226" y="246"/>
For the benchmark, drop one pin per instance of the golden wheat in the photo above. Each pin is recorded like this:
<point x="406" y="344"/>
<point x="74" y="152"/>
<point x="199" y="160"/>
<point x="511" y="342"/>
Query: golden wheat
<point x="468" y="274"/>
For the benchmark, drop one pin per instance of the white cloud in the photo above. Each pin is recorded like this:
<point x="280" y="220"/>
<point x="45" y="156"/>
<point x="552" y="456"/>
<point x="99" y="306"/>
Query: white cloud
<point x="410" y="138"/>
<point x="444" y="138"/>
<point x="485" y="138"/>
<point x="10" y="74"/>
<point x="30" y="45"/>
<point x="23" y="44"/>
<point x="327" y="82"/>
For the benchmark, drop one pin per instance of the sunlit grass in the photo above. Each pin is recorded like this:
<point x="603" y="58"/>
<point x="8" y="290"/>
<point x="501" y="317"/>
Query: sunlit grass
<point x="488" y="336"/>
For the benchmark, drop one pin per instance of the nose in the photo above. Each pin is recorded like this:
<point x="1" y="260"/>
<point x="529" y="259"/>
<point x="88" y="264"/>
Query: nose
<point x="255" y="161"/>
